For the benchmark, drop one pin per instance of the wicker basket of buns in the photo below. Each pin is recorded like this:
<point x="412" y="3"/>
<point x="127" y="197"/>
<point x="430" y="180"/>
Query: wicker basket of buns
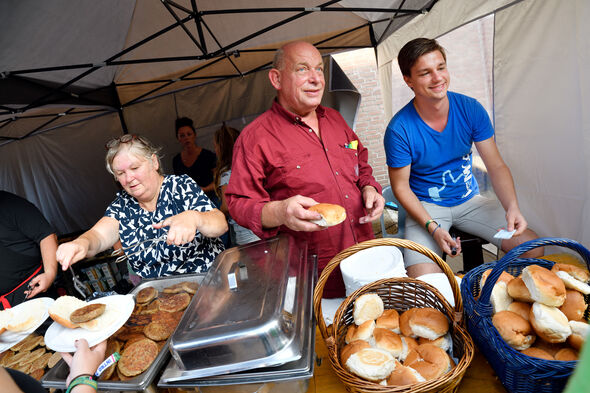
<point x="373" y="344"/>
<point x="527" y="316"/>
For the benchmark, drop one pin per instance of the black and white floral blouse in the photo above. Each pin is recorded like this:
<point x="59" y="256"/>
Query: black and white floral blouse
<point x="178" y="194"/>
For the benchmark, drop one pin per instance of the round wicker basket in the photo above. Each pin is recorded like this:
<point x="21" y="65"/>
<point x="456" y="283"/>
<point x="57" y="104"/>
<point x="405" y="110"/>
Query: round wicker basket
<point x="400" y="294"/>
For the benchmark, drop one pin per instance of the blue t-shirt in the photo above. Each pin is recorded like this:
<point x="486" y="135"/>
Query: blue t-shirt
<point x="440" y="161"/>
<point x="156" y="259"/>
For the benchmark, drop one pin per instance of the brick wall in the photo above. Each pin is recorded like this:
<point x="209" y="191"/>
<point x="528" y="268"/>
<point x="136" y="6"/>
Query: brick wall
<point x="469" y="56"/>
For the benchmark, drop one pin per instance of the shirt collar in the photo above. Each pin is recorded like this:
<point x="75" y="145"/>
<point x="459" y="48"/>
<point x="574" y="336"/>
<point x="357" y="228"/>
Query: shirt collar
<point x="291" y="117"/>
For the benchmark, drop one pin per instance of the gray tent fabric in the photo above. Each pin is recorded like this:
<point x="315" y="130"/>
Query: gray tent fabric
<point x="73" y="74"/>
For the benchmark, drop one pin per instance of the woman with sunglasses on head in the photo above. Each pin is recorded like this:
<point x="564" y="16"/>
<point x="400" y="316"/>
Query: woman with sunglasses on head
<point x="152" y="206"/>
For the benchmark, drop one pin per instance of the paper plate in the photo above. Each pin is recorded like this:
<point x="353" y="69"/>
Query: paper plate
<point x="8" y="339"/>
<point x="61" y="339"/>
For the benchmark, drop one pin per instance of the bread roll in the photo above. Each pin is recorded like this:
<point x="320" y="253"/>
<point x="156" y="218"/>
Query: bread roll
<point x="550" y="348"/>
<point x="63" y="307"/>
<point x="574" y="305"/>
<point x="514" y="329"/>
<point x="572" y="283"/>
<point x="351" y="348"/>
<point x="389" y="320"/>
<point x="429" y="323"/>
<point x="408" y="343"/>
<point x="518" y="291"/>
<point x="331" y="214"/>
<point x="444" y="342"/>
<point x="367" y="307"/>
<point x="429" y="360"/>
<point x="521" y="308"/>
<point x="364" y="331"/>
<point x="576" y="272"/>
<point x="404" y="322"/>
<point x="5" y="316"/>
<point x="505" y="277"/>
<point x="537" y="353"/>
<point x="388" y="341"/>
<point x="402" y="376"/>
<point x="544" y="285"/>
<point x="500" y="298"/>
<point x="26" y="315"/>
<point x="350" y="333"/>
<point x="566" y="355"/>
<point x="371" y="363"/>
<point x="580" y="331"/>
<point x="549" y="323"/>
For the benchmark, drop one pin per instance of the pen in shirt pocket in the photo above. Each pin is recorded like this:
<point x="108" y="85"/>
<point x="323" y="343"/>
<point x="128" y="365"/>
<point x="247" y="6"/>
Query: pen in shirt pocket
<point x="352" y="145"/>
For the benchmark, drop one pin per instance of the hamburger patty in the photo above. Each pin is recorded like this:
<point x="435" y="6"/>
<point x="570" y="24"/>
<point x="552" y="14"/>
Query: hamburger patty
<point x="137" y="357"/>
<point x="87" y="313"/>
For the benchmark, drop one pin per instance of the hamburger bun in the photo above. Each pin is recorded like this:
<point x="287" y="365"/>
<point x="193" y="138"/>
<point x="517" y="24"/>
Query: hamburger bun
<point x="331" y="214"/>
<point x="544" y="285"/>
<point x="580" y="331"/>
<point x="549" y="323"/>
<point x="521" y="308"/>
<point x="518" y="291"/>
<point x="371" y="363"/>
<point x="5" y="316"/>
<point x="505" y="277"/>
<point x="402" y="376"/>
<point x="404" y="323"/>
<point x="576" y="272"/>
<point x="26" y="315"/>
<point x="364" y="331"/>
<point x="367" y="307"/>
<point x="550" y="348"/>
<point x="350" y="333"/>
<point x="351" y="348"/>
<point x="429" y="323"/>
<point x="444" y="342"/>
<point x="388" y="341"/>
<point x="573" y="283"/>
<point x="429" y="360"/>
<point x="566" y="355"/>
<point x="63" y="307"/>
<point x="514" y="329"/>
<point x="500" y="298"/>
<point x="574" y="305"/>
<point x="389" y="320"/>
<point x="537" y="353"/>
<point x="408" y="343"/>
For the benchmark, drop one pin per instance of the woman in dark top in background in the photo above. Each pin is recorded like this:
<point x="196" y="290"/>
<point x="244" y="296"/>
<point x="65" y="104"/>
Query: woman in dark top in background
<point x="193" y="160"/>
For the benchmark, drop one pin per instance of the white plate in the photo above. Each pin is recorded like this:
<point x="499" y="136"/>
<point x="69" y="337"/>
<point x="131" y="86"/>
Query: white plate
<point x="61" y="339"/>
<point x="8" y="339"/>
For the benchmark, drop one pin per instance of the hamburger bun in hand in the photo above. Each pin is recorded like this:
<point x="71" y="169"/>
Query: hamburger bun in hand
<point x="331" y="214"/>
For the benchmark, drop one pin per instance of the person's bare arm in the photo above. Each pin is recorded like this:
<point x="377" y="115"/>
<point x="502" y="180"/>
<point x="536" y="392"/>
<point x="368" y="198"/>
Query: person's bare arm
<point x="209" y="187"/>
<point x="223" y="206"/>
<point x="43" y="281"/>
<point x="502" y="183"/>
<point x="100" y="237"/>
<point x="183" y="226"/>
<point x="399" y="179"/>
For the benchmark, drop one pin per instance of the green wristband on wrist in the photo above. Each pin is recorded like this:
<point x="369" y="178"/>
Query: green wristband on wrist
<point x="428" y="223"/>
<point x="82" y="380"/>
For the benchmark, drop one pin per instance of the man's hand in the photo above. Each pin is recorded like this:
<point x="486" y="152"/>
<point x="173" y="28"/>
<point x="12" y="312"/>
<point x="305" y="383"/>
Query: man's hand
<point x="374" y="203"/>
<point x="292" y="213"/>
<point x="38" y="284"/>
<point x="515" y="220"/>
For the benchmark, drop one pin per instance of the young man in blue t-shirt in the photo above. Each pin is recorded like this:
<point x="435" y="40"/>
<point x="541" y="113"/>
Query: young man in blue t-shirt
<point x="428" y="147"/>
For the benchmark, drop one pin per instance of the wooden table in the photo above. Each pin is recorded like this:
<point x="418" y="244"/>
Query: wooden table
<point x="479" y="376"/>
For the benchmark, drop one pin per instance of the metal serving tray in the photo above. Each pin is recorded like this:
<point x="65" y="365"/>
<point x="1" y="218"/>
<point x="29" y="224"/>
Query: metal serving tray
<point x="56" y="377"/>
<point x="254" y="310"/>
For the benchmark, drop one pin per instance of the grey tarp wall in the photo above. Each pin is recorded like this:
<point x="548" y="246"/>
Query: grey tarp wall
<point x="75" y="73"/>
<point x="541" y="100"/>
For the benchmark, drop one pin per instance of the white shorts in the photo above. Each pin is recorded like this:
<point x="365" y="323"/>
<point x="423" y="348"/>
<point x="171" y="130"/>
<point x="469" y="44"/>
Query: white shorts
<point x="479" y="216"/>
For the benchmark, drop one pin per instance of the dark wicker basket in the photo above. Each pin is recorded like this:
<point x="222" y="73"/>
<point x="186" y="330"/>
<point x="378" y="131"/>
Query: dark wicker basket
<point x="400" y="294"/>
<point x="519" y="373"/>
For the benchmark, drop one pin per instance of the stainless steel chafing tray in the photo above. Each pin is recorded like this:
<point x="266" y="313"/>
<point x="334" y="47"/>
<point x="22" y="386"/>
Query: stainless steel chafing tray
<point x="56" y="377"/>
<point x="254" y="310"/>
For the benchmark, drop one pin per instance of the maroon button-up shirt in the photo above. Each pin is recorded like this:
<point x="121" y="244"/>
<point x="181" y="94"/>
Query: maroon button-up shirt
<point x="277" y="156"/>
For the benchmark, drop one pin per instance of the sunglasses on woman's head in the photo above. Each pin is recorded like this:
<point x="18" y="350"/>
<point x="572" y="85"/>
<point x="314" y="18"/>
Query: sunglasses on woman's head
<point x="121" y="139"/>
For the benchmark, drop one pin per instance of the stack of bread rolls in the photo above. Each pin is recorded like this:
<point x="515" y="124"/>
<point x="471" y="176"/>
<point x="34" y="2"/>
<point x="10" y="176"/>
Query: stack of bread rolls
<point x="385" y="347"/>
<point x="541" y="312"/>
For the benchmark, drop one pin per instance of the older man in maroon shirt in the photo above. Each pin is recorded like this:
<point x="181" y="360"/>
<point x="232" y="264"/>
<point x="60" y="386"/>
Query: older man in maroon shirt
<point x="297" y="154"/>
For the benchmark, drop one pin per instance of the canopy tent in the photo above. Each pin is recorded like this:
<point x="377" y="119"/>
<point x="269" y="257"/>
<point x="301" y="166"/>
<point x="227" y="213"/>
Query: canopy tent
<point x="75" y="73"/>
<point x="541" y="95"/>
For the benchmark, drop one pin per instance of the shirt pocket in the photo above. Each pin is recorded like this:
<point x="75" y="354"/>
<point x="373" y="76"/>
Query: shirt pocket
<point x="299" y="174"/>
<point x="348" y="164"/>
